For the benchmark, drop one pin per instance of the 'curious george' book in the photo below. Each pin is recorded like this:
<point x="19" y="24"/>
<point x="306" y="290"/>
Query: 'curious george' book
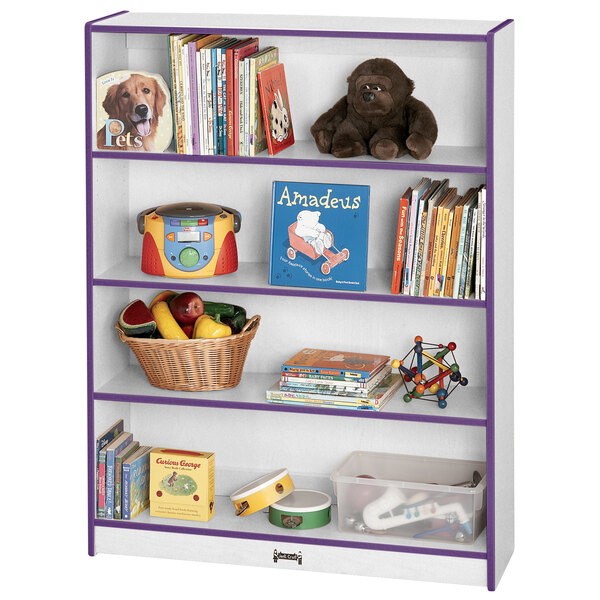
<point x="275" y="108"/>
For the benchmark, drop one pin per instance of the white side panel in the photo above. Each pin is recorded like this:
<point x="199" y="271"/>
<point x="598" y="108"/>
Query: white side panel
<point x="314" y="558"/>
<point x="504" y="293"/>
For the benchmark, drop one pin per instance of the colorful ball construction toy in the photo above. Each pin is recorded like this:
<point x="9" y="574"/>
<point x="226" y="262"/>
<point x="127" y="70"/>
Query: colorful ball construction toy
<point x="433" y="389"/>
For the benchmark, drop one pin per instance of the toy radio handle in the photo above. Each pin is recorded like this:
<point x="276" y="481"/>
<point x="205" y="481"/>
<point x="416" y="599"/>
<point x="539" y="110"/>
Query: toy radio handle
<point x="141" y="218"/>
<point x="237" y="218"/>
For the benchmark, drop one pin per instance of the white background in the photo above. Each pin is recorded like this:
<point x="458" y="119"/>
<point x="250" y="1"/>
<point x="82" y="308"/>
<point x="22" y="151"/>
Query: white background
<point x="43" y="389"/>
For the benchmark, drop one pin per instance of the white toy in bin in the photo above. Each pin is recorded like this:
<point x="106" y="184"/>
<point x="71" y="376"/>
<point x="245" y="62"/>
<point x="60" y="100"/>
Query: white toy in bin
<point x="411" y="496"/>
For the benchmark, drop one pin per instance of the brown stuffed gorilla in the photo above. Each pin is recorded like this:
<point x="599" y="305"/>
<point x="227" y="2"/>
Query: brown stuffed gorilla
<point x="378" y="116"/>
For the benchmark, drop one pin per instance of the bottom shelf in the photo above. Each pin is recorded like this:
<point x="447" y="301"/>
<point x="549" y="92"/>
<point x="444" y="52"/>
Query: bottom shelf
<point x="257" y="527"/>
<point x="253" y="541"/>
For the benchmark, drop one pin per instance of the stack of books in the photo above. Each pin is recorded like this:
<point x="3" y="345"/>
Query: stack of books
<point x="336" y="379"/>
<point x="216" y="108"/>
<point x="122" y="474"/>
<point x="441" y="242"/>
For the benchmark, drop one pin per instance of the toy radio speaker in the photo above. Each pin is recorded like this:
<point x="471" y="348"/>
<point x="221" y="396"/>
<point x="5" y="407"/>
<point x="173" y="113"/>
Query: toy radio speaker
<point x="189" y="239"/>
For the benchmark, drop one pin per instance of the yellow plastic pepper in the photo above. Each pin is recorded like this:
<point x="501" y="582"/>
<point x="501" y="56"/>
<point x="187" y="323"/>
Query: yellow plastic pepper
<point x="206" y="327"/>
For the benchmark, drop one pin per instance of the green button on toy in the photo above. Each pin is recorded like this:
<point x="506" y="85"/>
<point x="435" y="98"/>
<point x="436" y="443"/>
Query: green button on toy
<point x="189" y="257"/>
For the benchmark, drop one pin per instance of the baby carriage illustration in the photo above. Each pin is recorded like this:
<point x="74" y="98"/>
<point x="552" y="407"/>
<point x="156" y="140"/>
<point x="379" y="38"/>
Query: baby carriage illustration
<point x="297" y="244"/>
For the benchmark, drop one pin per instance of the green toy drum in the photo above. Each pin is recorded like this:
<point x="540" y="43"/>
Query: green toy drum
<point x="302" y="509"/>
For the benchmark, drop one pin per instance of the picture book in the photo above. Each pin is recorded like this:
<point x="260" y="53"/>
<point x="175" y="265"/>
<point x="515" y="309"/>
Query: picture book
<point x="119" y="458"/>
<point x="483" y="259"/>
<point x="239" y="54"/>
<point x="387" y="388"/>
<point x="461" y="243"/>
<point x="439" y="242"/>
<point x="319" y="235"/>
<point x="111" y="450"/>
<point x="133" y="112"/>
<point x="339" y="389"/>
<point x="472" y="251"/>
<point x="471" y="208"/>
<point x="230" y="96"/>
<point x="259" y="62"/>
<point x="400" y="241"/>
<point x="136" y="480"/>
<point x="275" y="107"/>
<point x="335" y="362"/>
<point x="415" y="208"/>
<point x="327" y="404"/>
<point x="446" y="240"/>
<point x="101" y="442"/>
<point x="333" y="382"/>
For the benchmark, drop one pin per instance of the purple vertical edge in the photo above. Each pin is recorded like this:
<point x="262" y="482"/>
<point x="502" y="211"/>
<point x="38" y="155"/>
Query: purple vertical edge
<point x="89" y="279"/>
<point x="490" y="304"/>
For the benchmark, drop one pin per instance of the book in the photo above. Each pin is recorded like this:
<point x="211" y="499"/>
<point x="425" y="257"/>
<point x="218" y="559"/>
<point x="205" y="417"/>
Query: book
<point x="239" y="54"/>
<point x="193" y="94"/>
<point x="175" y="89"/>
<point x="259" y="62"/>
<point x="230" y="102"/>
<point x="471" y="207"/>
<point x="454" y="233"/>
<point x="183" y="89"/>
<point x="112" y="449"/>
<point x="427" y="216"/>
<point x="420" y="235"/>
<point x="136" y="481"/>
<point x="472" y="252"/>
<point x="483" y="264"/>
<point x="432" y="240"/>
<point x="477" y="267"/>
<point x="400" y="241"/>
<point x="380" y="394"/>
<point x="362" y="383"/>
<point x="439" y="242"/>
<point x="101" y="442"/>
<point x="328" y="404"/>
<point x="334" y="362"/>
<point x="125" y="453"/>
<point x="412" y="225"/>
<point x="447" y="239"/>
<point x="319" y="235"/>
<point x="461" y="245"/>
<point x="207" y="100"/>
<point x="275" y="106"/>
<point x="221" y="93"/>
<point x="335" y="388"/>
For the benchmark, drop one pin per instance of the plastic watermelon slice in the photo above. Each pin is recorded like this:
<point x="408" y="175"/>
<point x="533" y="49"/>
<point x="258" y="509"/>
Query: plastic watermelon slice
<point x="136" y="320"/>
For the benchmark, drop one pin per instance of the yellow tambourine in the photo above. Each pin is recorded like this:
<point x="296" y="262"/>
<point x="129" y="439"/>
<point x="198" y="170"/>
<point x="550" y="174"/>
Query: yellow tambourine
<point x="262" y="492"/>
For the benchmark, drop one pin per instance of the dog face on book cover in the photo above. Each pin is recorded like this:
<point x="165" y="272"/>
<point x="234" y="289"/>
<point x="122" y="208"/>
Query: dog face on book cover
<point x="134" y="107"/>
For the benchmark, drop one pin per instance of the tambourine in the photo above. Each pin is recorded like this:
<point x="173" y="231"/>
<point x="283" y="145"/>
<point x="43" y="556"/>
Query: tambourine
<point x="302" y="509"/>
<point x="262" y="492"/>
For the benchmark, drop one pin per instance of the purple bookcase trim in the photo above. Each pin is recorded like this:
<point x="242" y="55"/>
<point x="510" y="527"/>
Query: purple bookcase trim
<point x="489" y="316"/>
<point x="293" y="292"/>
<point x="294" y="162"/>
<point x="270" y="407"/>
<point x="374" y="35"/>
<point x="288" y="539"/>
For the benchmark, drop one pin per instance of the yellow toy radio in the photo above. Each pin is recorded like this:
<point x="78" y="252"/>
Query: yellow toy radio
<point x="189" y="239"/>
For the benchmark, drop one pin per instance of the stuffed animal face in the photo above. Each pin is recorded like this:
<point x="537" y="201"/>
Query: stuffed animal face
<point x="280" y="120"/>
<point x="378" y="87"/>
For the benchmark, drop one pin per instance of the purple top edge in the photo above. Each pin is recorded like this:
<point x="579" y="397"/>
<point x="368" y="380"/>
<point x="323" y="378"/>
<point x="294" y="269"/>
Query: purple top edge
<point x="500" y="26"/>
<point x="90" y="23"/>
<point x="379" y="35"/>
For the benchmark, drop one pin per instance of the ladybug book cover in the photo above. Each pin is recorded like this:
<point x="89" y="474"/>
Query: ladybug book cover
<point x="319" y="235"/>
<point x="275" y="107"/>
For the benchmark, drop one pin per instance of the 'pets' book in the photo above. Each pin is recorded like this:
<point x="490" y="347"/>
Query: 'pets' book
<point x="319" y="235"/>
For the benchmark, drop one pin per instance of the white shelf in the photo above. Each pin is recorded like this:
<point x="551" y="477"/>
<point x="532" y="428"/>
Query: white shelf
<point x="253" y="278"/>
<point x="258" y="525"/>
<point x="442" y="158"/>
<point x="465" y="406"/>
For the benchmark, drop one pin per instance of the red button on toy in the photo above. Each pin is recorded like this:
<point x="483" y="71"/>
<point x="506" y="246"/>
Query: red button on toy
<point x="202" y="221"/>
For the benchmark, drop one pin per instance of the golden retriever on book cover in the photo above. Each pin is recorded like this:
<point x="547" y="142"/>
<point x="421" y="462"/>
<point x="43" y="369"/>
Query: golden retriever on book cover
<point x="134" y="107"/>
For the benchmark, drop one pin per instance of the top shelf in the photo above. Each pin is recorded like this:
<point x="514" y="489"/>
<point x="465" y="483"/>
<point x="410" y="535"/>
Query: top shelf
<point x="299" y="25"/>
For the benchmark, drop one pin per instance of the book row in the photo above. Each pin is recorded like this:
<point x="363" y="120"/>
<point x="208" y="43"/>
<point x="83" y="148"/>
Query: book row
<point x="441" y="242"/>
<point x="216" y="96"/>
<point x="315" y="377"/>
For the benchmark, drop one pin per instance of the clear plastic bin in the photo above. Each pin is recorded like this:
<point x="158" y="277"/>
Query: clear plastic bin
<point x="411" y="496"/>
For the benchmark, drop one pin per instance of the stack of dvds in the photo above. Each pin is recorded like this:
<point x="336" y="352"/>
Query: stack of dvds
<point x="335" y="379"/>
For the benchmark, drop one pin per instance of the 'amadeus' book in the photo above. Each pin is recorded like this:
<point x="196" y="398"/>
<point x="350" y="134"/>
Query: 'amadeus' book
<point x="319" y="235"/>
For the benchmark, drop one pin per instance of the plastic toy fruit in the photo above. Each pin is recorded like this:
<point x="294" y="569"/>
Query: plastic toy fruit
<point x="136" y="320"/>
<point x="166" y="323"/>
<point x="186" y="307"/>
<point x="162" y="297"/>
<point x="207" y="327"/>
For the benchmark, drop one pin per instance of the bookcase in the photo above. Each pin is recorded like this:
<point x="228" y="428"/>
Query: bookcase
<point x="464" y="71"/>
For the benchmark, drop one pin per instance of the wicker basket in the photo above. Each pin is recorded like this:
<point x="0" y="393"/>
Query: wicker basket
<point x="194" y="365"/>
